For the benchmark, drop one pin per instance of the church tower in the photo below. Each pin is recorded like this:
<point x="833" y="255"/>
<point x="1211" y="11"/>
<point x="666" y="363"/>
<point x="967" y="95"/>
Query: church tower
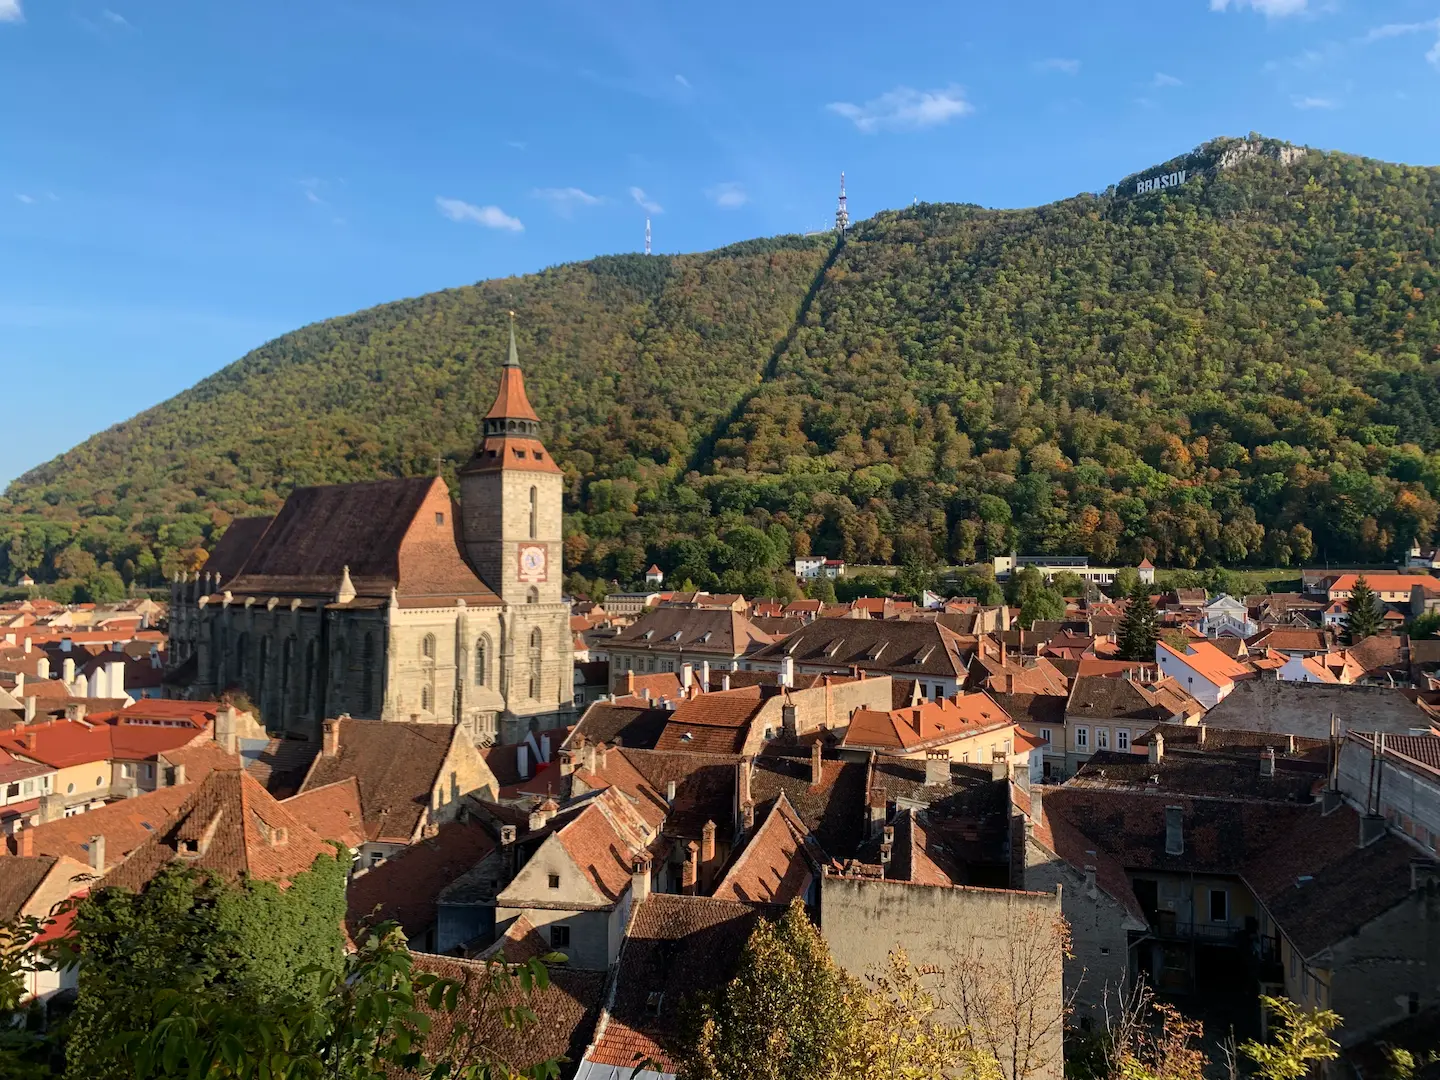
<point x="510" y="494"/>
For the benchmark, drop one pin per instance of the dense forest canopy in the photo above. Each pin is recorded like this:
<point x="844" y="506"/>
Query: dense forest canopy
<point x="1240" y="369"/>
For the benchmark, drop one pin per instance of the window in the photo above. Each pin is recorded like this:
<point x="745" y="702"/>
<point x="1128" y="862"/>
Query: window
<point x="425" y="700"/>
<point x="69" y="789"/>
<point x="1102" y="738"/>
<point x="534" y="512"/>
<point x="13" y="791"/>
<point x="482" y="657"/>
<point x="554" y="881"/>
<point x="1122" y="739"/>
<point x="1082" y="737"/>
<point x="376" y="858"/>
<point x="533" y="595"/>
<point x="559" y="937"/>
<point x="439" y="517"/>
<point x="1219" y="905"/>
<point x="937" y="692"/>
<point x="1045" y="734"/>
<point x="535" y="662"/>
<point x="127" y="771"/>
<point x="924" y="690"/>
<point x="427" y="647"/>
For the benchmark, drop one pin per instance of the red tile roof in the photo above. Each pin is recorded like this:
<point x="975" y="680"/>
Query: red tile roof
<point x="62" y="743"/>
<point x="714" y="723"/>
<point x="232" y="827"/>
<point x="332" y="811"/>
<point x="406" y="886"/>
<point x="125" y="824"/>
<point x="933" y="722"/>
<point x="1208" y="661"/>
<point x="776" y="865"/>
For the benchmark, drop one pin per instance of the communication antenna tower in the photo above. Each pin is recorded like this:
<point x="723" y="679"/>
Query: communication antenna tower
<point x="647" y="236"/>
<point x="842" y="213"/>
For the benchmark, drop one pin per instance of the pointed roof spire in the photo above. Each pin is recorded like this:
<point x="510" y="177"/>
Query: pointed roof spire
<point x="346" y="592"/>
<point x="511" y="402"/>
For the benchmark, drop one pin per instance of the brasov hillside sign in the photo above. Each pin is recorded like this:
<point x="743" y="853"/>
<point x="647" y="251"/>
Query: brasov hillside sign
<point x="1157" y="183"/>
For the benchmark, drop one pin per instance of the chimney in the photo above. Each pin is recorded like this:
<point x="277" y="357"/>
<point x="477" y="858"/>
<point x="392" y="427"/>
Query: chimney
<point x="877" y="812"/>
<point x="30" y="709"/>
<point x="640" y="880"/>
<point x="600" y="755"/>
<point x="522" y="761"/>
<point x="97" y="853"/>
<point x="704" y="676"/>
<point x="817" y="764"/>
<point x="1267" y="762"/>
<point x="670" y="793"/>
<point x="1290" y="745"/>
<point x="937" y="767"/>
<point x="789" y="722"/>
<point x="587" y="756"/>
<point x="330" y="739"/>
<point x="115" y="679"/>
<point x="67" y="671"/>
<point x="75" y="711"/>
<point x="545" y="748"/>
<point x="690" y="873"/>
<point x="1372" y="828"/>
<point x="180" y="774"/>
<point x="1200" y="736"/>
<point x="1002" y="650"/>
<point x="1090" y="889"/>
<point x="42" y="667"/>
<point x="97" y="686"/>
<point x="25" y="843"/>
<point x="1157" y="749"/>
<point x="687" y="677"/>
<point x="52" y="808"/>
<point x="725" y="681"/>
<point x="787" y="672"/>
<point x="1174" y="830"/>
<point x="630" y="684"/>
<point x="1009" y="682"/>
<point x="225" y="728"/>
<point x="19" y="683"/>
<point x="707" y="843"/>
<point x="645" y="693"/>
<point x="507" y="835"/>
<point x="26" y="647"/>
<point x="742" y="780"/>
<point x="887" y="845"/>
<point x="1037" y="804"/>
<point x="999" y="767"/>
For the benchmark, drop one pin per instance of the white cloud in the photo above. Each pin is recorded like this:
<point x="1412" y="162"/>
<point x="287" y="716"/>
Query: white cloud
<point x="1272" y="9"/>
<point x="1433" y="56"/>
<point x="1390" y="30"/>
<point x="492" y="217"/>
<point x="645" y="202"/>
<point x="115" y="18"/>
<point x="10" y="11"/>
<point x="683" y="81"/>
<point x="728" y="196"/>
<point x="1313" y="103"/>
<point x="1065" y="67"/>
<point x="566" y="199"/>
<point x="905" y="108"/>
<point x="26" y="199"/>
<point x="1163" y="80"/>
<point x="514" y="145"/>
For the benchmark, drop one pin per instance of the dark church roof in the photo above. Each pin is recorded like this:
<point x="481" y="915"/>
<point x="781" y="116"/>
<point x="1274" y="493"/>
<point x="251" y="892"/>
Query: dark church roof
<point x="391" y="534"/>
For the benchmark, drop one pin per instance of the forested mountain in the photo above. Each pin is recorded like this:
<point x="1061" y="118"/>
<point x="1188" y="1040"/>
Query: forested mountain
<point x="1241" y="368"/>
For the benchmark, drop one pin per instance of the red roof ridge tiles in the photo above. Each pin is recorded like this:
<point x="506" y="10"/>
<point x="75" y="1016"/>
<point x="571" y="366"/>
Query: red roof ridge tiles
<point x="777" y="865"/>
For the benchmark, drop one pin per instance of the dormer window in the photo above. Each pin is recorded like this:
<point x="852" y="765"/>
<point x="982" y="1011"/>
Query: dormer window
<point x="654" y="1002"/>
<point x="554" y="881"/>
<point x="519" y="453"/>
<point x="439" y="517"/>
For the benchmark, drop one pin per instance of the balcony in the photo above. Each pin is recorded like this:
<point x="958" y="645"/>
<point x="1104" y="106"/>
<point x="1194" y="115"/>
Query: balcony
<point x="1168" y="926"/>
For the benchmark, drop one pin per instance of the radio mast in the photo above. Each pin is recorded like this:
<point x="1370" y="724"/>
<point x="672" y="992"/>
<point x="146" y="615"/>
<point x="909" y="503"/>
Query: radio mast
<point x="647" y="236"/>
<point x="842" y="214"/>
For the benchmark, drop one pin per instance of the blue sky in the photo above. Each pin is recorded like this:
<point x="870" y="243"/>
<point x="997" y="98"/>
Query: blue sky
<point x="181" y="181"/>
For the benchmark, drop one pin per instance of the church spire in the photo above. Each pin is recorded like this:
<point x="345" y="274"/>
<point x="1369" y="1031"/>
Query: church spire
<point x="511" y="412"/>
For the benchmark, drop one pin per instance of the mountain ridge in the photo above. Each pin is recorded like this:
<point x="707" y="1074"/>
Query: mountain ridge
<point x="1072" y="362"/>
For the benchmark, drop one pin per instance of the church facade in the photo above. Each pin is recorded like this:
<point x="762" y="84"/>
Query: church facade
<point x="385" y="600"/>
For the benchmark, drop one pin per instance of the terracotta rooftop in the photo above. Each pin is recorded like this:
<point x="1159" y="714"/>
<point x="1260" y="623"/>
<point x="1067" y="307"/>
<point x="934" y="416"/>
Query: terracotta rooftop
<point x="406" y="886"/>
<point x="1206" y="660"/>
<point x="704" y="788"/>
<point x="677" y="946"/>
<point x="1291" y="639"/>
<point x="714" y="723"/>
<point x="603" y="840"/>
<point x="62" y="743"/>
<point x="605" y="721"/>
<point x="332" y="811"/>
<point x="20" y="876"/>
<point x="692" y="630"/>
<point x="833" y="810"/>
<point x="778" y="863"/>
<point x="397" y="766"/>
<point x="884" y="646"/>
<point x="125" y="824"/>
<point x="230" y="826"/>
<point x="933" y="722"/>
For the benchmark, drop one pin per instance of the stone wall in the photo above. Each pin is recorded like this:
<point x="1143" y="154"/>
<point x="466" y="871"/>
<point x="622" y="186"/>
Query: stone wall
<point x="950" y="928"/>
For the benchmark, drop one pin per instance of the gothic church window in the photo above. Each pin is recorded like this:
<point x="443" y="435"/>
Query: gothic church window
<point x="535" y="663"/>
<point x="367" y="676"/>
<point x="427" y="647"/>
<point x="482" y="658"/>
<point x="533" y="596"/>
<point x="534" y="512"/>
<point x="425" y="699"/>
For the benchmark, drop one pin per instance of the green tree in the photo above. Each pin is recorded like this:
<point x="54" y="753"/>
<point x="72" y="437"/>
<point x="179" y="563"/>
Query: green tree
<point x="105" y="586"/>
<point x="1140" y="626"/>
<point x="900" y="1036"/>
<point x="1300" y="1040"/>
<point x="1425" y="625"/>
<point x="1041" y="604"/>
<point x="1067" y="583"/>
<point x="788" y="1014"/>
<point x="1363" y="612"/>
<point x="1126" y="579"/>
<point x="821" y="588"/>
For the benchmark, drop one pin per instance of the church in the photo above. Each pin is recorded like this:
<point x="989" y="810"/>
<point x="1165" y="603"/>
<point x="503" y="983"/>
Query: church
<point x="385" y="600"/>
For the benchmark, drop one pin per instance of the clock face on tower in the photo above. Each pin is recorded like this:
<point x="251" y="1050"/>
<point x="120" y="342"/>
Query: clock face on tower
<point x="533" y="563"/>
